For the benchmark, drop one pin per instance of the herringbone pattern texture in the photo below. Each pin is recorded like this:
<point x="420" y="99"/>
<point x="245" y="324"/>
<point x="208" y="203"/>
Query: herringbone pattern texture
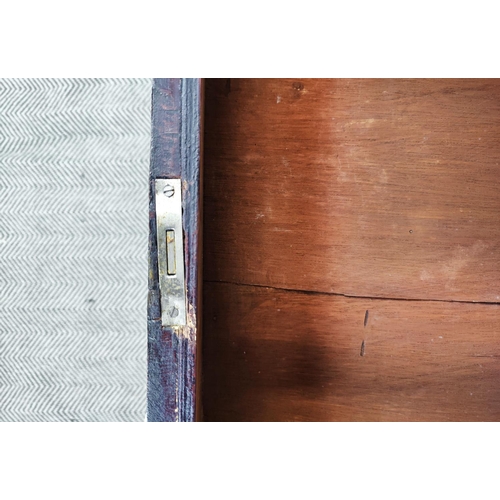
<point x="74" y="157"/>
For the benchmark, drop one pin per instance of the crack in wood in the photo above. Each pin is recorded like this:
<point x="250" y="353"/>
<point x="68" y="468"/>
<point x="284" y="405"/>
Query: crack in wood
<point x="353" y="296"/>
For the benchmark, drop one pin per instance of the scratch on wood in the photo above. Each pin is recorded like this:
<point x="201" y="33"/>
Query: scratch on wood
<point x="362" y="352"/>
<point x="366" y="318"/>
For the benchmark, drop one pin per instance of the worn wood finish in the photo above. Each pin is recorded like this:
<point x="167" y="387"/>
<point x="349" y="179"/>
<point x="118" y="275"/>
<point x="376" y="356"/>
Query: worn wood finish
<point x="379" y="188"/>
<point x="371" y="207"/>
<point x="176" y="153"/>
<point x="281" y="355"/>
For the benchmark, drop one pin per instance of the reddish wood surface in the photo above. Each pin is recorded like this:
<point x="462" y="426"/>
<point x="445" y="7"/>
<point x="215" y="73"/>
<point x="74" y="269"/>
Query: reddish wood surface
<point x="374" y="189"/>
<point x="385" y="188"/>
<point x="277" y="355"/>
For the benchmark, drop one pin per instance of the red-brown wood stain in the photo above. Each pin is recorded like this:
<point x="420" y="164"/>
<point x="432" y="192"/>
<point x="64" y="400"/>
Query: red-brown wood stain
<point x="350" y="228"/>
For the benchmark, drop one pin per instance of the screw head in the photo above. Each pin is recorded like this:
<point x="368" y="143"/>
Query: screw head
<point x="173" y="312"/>
<point x="169" y="191"/>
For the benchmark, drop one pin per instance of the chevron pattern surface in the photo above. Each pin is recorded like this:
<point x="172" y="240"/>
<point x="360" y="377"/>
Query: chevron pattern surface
<point x="74" y="160"/>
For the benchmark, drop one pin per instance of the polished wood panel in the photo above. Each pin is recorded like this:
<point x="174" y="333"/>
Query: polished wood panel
<point x="277" y="355"/>
<point x="380" y="188"/>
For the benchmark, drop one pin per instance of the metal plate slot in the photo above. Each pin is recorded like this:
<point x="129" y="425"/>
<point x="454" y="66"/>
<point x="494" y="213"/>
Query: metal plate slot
<point x="171" y="264"/>
<point x="170" y="251"/>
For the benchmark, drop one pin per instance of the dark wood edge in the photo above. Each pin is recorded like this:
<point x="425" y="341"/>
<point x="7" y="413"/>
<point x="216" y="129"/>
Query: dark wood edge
<point x="176" y="152"/>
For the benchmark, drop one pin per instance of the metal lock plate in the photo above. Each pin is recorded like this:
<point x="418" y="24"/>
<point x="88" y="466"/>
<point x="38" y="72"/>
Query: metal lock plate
<point x="170" y="251"/>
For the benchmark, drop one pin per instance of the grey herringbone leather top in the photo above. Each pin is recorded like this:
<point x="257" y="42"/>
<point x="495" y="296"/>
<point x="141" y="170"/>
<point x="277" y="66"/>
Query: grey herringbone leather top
<point x="74" y="157"/>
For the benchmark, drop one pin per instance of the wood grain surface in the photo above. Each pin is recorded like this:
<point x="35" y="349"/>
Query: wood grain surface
<point x="276" y="355"/>
<point x="176" y="152"/>
<point x="351" y="251"/>
<point x="379" y="188"/>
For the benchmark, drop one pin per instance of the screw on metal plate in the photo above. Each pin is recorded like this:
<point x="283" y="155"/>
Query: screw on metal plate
<point x="169" y="190"/>
<point x="173" y="312"/>
<point x="169" y="234"/>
